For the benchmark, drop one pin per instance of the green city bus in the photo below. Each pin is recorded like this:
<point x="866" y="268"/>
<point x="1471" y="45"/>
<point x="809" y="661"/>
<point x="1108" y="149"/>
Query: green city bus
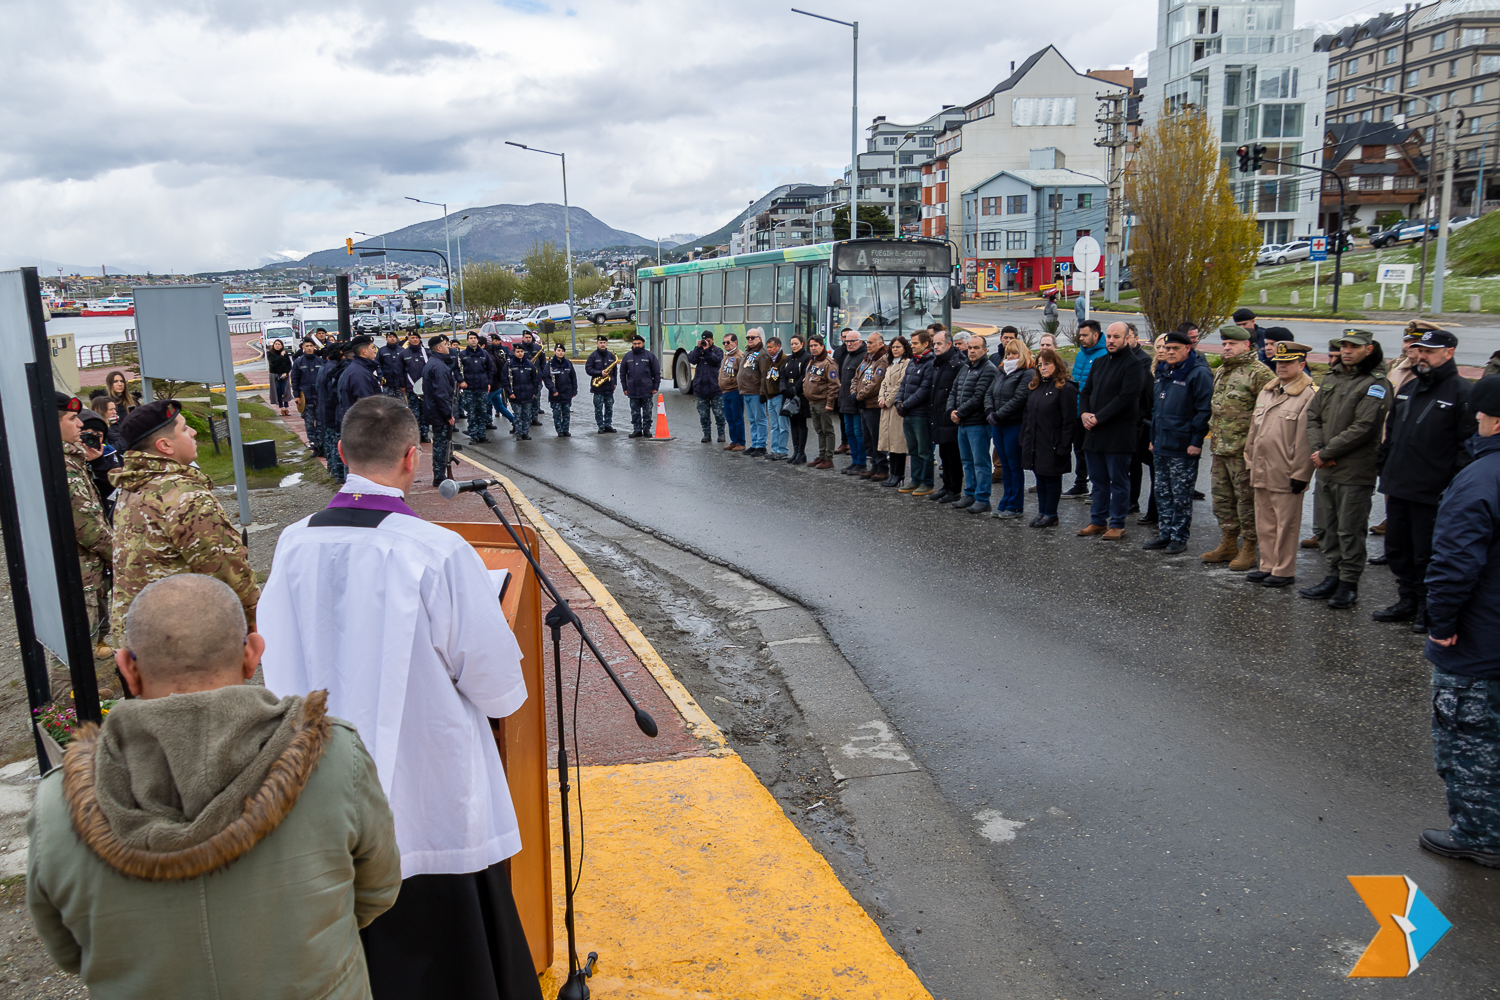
<point x="887" y="285"/>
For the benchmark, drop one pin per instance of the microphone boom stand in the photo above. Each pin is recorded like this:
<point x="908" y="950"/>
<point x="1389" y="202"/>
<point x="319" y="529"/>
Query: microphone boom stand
<point x="576" y="988"/>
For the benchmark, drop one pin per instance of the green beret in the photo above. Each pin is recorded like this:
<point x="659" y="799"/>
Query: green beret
<point x="1233" y="332"/>
<point x="1359" y="337"/>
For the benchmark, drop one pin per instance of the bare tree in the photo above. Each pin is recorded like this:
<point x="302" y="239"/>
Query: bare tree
<point x="1194" y="248"/>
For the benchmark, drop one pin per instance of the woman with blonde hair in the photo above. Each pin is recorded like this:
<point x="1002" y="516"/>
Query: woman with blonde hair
<point x="1006" y="410"/>
<point x="1047" y="432"/>
<point x="892" y="439"/>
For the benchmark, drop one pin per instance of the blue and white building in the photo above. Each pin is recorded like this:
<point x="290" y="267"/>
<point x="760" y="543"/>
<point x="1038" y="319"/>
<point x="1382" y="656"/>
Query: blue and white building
<point x="1019" y="226"/>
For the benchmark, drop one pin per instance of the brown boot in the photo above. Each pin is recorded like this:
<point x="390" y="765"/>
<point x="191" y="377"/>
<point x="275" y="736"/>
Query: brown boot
<point x="1379" y="529"/>
<point x="1249" y="558"/>
<point x="1310" y="543"/>
<point x="1229" y="547"/>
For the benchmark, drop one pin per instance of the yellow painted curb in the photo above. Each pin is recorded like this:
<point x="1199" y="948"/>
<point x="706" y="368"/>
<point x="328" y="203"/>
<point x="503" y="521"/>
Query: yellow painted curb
<point x="687" y="706"/>
<point x="695" y="885"/>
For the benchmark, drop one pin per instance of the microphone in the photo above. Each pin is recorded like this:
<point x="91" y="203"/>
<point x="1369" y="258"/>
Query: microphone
<point x="449" y="488"/>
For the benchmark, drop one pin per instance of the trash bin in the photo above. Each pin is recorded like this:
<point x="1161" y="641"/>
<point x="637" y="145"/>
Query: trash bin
<point x="260" y="454"/>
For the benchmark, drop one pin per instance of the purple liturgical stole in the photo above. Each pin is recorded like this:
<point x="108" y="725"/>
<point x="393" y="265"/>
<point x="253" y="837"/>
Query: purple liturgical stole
<point x="372" y="501"/>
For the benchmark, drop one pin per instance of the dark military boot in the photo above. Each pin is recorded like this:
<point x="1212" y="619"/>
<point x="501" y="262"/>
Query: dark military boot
<point x="1404" y="610"/>
<point x="1419" y="623"/>
<point x="1320" y="590"/>
<point x="1346" y="596"/>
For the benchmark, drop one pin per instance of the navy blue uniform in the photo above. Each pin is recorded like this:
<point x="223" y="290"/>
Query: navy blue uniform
<point x="392" y="368"/>
<point x="437" y="409"/>
<point x="360" y="379"/>
<point x="328" y="398"/>
<point x="562" y="386"/>
<point x="305" y="383"/>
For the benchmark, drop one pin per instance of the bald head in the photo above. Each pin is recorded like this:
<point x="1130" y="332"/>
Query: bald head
<point x="186" y="633"/>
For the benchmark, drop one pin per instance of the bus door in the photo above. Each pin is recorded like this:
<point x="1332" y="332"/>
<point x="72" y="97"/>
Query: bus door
<point x="656" y="342"/>
<point x="812" y="285"/>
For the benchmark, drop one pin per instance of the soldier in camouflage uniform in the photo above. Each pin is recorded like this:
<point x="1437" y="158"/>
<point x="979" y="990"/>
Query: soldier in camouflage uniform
<point x="90" y="526"/>
<point x="1237" y="383"/>
<point x="166" y="518"/>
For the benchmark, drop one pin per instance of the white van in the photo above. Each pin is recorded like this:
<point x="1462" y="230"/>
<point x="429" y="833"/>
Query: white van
<point x="558" y="313"/>
<point x="307" y="319"/>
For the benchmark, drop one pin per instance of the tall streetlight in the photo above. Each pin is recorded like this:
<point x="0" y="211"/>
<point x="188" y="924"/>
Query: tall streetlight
<point x="1450" y="119"/>
<point x="447" y="245"/>
<point x="567" y="237"/>
<point x="853" y="123"/>
<point x="463" y="303"/>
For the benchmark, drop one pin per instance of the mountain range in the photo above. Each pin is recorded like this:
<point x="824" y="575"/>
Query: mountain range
<point x="494" y="233"/>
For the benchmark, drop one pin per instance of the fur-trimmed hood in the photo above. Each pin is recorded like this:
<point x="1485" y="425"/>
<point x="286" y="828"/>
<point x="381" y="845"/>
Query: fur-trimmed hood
<point x="173" y="788"/>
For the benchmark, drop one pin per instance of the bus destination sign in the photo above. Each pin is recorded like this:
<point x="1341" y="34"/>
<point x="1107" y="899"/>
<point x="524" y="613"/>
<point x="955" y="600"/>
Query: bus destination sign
<point x="893" y="257"/>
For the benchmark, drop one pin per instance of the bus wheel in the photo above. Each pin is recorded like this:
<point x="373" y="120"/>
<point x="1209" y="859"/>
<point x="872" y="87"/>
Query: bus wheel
<point x="682" y="374"/>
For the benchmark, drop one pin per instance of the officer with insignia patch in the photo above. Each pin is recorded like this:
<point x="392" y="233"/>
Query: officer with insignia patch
<point x="1237" y="386"/>
<point x="1424" y="448"/>
<point x="1343" y="429"/>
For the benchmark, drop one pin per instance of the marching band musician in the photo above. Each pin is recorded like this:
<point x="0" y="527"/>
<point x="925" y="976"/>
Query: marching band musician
<point x="601" y="370"/>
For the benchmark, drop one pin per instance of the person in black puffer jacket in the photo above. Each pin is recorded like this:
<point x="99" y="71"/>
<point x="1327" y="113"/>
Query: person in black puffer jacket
<point x="279" y="366"/>
<point x="1047" y="432"/>
<point x="562" y="386"/>
<point x="1109" y="407"/>
<point x="640" y="375"/>
<point x="797" y="360"/>
<point x="1005" y="410"/>
<point x="1425" y="432"/>
<point x="914" y="407"/>
<point x="947" y="359"/>
<point x="966" y="409"/>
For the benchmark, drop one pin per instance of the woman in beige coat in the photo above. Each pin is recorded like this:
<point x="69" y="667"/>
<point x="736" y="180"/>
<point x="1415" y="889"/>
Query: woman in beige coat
<point x="1280" y="462"/>
<point x="892" y="434"/>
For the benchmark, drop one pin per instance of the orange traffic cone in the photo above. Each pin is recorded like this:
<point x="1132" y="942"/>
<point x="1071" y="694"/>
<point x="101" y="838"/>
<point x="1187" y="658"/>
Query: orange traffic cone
<point x="662" y="434"/>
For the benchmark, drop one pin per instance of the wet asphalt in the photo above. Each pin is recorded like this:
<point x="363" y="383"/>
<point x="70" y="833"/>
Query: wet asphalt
<point x="1190" y="765"/>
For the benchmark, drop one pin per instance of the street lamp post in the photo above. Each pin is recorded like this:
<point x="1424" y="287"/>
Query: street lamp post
<point x="567" y="238"/>
<point x="463" y="303"/>
<point x="853" y="122"/>
<point x="447" y="245"/>
<point x="1450" y="120"/>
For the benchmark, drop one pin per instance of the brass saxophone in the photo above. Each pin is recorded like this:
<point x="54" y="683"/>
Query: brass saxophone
<point x="602" y="379"/>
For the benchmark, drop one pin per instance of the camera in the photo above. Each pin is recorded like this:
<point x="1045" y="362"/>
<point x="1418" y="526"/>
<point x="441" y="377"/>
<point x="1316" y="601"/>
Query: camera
<point x="91" y="439"/>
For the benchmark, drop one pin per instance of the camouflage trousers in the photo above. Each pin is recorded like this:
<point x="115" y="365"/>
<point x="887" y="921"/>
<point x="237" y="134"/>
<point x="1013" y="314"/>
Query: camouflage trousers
<point x="336" y="467"/>
<point x="1466" y="751"/>
<point x="1175" y="478"/>
<point x="1234" y="500"/>
<point x="476" y="409"/>
<point x="442" y="450"/>
<point x="96" y="599"/>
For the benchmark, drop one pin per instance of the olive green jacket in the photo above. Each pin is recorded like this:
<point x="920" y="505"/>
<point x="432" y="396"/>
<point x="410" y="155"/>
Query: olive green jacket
<point x="1346" y="418"/>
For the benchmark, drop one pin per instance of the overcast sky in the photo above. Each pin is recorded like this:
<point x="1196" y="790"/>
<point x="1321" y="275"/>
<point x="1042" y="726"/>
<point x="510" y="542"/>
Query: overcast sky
<point x="182" y="135"/>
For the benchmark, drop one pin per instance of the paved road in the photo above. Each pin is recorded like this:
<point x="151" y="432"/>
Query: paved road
<point x="1478" y="336"/>
<point x="1192" y="765"/>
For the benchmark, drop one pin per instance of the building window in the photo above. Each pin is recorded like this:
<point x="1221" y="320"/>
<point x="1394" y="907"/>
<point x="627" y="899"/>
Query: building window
<point x="1015" y="204"/>
<point x="1054" y="201"/>
<point x="1015" y="240"/>
<point x="1055" y="235"/>
<point x="1489" y="64"/>
<point x="1405" y="182"/>
<point x="1229" y="130"/>
<point x="1413" y="77"/>
<point x="1392" y="56"/>
<point x="989" y="241"/>
<point x="1369" y="183"/>
<point x="1478" y="93"/>
<point x="1388" y="84"/>
<point x="1385" y="113"/>
<point x="1080" y="234"/>
<point x="1473" y="36"/>
<point x="1231" y="90"/>
<point x="1439" y="40"/>
<point x="1085" y="201"/>
<point x="1452" y="68"/>
<point x="1471" y="157"/>
<point x="1350" y="94"/>
<point x="1279" y="120"/>
<point x="1333" y="72"/>
<point x="989" y="206"/>
<point x="1476" y="125"/>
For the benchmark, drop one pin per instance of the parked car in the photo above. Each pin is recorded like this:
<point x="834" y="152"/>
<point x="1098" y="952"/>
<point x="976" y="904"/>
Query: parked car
<point x="1403" y="231"/>
<point x="615" y="309"/>
<point x="1267" y="253"/>
<point x="557" y="313"/>
<point x="1295" y="250"/>
<point x="1459" y="221"/>
<point x="510" y="333"/>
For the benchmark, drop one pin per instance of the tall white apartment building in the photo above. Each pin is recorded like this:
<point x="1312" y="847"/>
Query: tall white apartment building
<point x="1260" y="80"/>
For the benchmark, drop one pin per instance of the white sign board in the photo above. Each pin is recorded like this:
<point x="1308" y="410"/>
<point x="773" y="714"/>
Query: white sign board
<point x="1086" y="253"/>
<point x="1395" y="274"/>
<point x="1085" y="282"/>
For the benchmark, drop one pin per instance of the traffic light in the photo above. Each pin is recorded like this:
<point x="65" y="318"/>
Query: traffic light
<point x="1244" y="154"/>
<point x="1259" y="151"/>
<point x="349" y="245"/>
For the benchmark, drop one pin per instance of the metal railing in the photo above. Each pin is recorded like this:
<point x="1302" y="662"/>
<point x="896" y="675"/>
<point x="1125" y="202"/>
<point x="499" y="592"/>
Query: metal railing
<point x="118" y="353"/>
<point x="246" y="325"/>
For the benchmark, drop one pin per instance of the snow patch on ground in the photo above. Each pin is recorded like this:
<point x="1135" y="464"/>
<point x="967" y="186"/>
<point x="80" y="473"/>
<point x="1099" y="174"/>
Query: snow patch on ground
<point x="295" y="479"/>
<point x="995" y="827"/>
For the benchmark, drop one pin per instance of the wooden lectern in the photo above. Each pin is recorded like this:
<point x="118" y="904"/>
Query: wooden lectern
<point x="522" y="738"/>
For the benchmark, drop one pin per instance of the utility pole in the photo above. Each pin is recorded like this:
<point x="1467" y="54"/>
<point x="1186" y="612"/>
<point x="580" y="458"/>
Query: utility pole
<point x="1112" y="117"/>
<point x="1441" y="263"/>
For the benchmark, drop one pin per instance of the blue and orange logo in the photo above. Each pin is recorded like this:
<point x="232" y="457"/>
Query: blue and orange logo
<point x="1409" y="926"/>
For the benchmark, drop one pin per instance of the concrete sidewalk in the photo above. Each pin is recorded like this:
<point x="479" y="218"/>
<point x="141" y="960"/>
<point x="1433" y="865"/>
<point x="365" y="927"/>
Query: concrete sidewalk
<point x="693" y="881"/>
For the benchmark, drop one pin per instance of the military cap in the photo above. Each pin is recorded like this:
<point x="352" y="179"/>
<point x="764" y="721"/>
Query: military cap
<point x="439" y="339"/>
<point x="1275" y="333"/>
<point x="333" y="349"/>
<point x="1411" y="336"/>
<point x="143" y="421"/>
<point x="1417" y="326"/>
<point x="1287" y="350"/>
<point x="1178" y="338"/>
<point x="1232" y="332"/>
<point x="360" y="341"/>
<point x="1241" y="314"/>
<point x="1484" y="396"/>
<point x="558" y="347"/>
<point x="1361" y="337"/>
<point x="68" y="403"/>
<point x="1437" y="338"/>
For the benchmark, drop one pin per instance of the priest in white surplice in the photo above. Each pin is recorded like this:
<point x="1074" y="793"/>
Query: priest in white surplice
<point x="399" y="620"/>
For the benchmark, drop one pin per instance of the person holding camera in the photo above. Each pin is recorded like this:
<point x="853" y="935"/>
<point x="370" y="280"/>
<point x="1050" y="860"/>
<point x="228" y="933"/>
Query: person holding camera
<point x="705" y="359"/>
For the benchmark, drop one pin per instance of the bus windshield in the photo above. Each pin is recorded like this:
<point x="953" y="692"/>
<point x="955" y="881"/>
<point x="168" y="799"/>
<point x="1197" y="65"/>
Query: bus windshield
<point x="899" y="286"/>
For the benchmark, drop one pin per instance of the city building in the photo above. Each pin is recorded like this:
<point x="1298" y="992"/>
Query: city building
<point x="1019" y="226"/>
<point x="786" y="222"/>
<point x="1044" y="104"/>
<point x="1383" y="171"/>
<point x="889" y="172"/>
<point x="1259" y="79"/>
<point x="1399" y="68"/>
